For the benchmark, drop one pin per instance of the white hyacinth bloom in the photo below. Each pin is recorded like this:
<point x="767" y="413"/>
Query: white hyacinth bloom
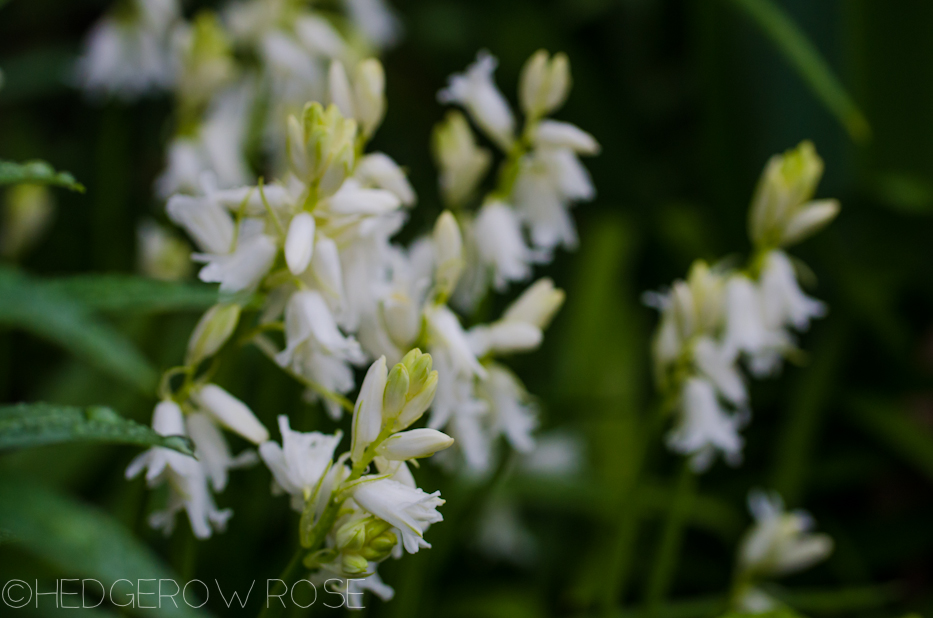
<point x="747" y="329"/>
<point x="315" y="347"/>
<point x="718" y="364"/>
<point x="367" y="413"/>
<point x="782" y="300"/>
<point x="504" y="337"/>
<point x="414" y="444"/>
<point x="780" y="542"/>
<point x="244" y="268"/>
<point x="205" y="220"/>
<point x="476" y="91"/>
<point x="557" y="134"/>
<point x="704" y="427"/>
<point x="230" y="412"/>
<point x="513" y="414"/>
<point x="130" y="55"/>
<point x="448" y="252"/>
<point x="186" y="479"/>
<point x="300" y="463"/>
<point x="409" y="509"/>
<point x="500" y="245"/>
<point x="376" y="20"/>
<point x="537" y="304"/>
<point x="378" y="170"/>
<point x="299" y="242"/>
<point x="461" y="161"/>
<point x="449" y="339"/>
<point x="212" y="450"/>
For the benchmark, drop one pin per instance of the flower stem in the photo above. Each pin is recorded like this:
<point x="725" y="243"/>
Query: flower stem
<point x="289" y="576"/>
<point x="665" y="560"/>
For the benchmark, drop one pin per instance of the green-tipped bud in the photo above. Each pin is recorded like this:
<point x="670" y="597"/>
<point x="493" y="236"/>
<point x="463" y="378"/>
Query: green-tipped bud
<point x="448" y="247"/>
<point x="544" y="83"/>
<point x="353" y="564"/>
<point x="419" y="372"/>
<point x="212" y="332"/>
<point x="462" y="162"/>
<point x="376" y="527"/>
<point x="409" y="359"/>
<point x="419" y="402"/>
<point x="380" y="546"/>
<point x="396" y="395"/>
<point x="352" y="535"/>
<point x="321" y="146"/>
<point x="414" y="444"/>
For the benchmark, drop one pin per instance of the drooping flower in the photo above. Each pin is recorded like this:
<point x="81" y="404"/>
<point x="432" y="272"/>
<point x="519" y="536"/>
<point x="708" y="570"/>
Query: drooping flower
<point x="410" y="510"/>
<point x="300" y="463"/>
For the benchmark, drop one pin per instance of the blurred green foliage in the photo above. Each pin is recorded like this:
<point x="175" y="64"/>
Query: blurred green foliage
<point x="688" y="98"/>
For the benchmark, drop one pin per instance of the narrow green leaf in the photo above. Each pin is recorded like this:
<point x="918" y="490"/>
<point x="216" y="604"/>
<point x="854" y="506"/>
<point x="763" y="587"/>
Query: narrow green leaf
<point x="888" y="423"/>
<point x="38" y="173"/>
<point x="127" y="293"/>
<point x="26" y="304"/>
<point x="809" y="63"/>
<point x="81" y="541"/>
<point x="33" y="424"/>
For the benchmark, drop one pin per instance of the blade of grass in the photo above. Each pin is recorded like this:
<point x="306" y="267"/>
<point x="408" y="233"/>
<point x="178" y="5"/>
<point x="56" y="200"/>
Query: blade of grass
<point x="809" y="63"/>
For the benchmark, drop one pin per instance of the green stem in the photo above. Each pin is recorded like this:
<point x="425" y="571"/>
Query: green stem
<point x="665" y="562"/>
<point x="289" y="576"/>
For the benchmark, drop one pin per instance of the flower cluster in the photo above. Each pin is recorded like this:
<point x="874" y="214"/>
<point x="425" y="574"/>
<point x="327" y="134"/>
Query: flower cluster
<point x="539" y="179"/>
<point x="721" y="317"/>
<point x="778" y="544"/>
<point x="235" y="73"/>
<point x="352" y="520"/>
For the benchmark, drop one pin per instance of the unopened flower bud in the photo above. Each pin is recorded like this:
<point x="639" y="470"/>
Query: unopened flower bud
<point x="414" y="444"/>
<point x="299" y="243"/>
<point x="544" y="83"/>
<point x="27" y="214"/>
<point x="340" y="91"/>
<point x="369" y="95"/>
<point x="448" y="245"/>
<point x="367" y="414"/>
<point x="352" y="535"/>
<point x="420" y="401"/>
<point x="419" y="367"/>
<point x="379" y="547"/>
<point x="230" y="412"/>
<point x="537" y="305"/>
<point x="396" y="394"/>
<point x="353" y="564"/>
<point x="461" y="161"/>
<point x="321" y="147"/>
<point x="212" y="332"/>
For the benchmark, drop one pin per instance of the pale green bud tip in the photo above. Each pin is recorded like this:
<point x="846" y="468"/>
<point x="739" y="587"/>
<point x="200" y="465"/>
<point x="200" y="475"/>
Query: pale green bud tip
<point x="409" y="359"/>
<point x="351" y="535"/>
<point x="212" y="332"/>
<point x="396" y="393"/>
<point x="353" y="564"/>
<point x="419" y="372"/>
<point x="380" y="546"/>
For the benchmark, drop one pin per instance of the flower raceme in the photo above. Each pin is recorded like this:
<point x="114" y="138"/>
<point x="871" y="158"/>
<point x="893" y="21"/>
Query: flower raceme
<point x="720" y="318"/>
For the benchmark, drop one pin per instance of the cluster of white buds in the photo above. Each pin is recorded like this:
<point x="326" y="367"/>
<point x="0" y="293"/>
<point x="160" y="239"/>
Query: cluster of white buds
<point x="721" y="316"/>
<point x="364" y="506"/>
<point x="778" y="544"/>
<point x="526" y="215"/>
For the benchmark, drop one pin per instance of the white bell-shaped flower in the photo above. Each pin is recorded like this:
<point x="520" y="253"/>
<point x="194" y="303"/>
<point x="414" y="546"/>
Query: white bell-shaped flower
<point x="230" y="412"/>
<point x="476" y="91"/>
<point x="782" y="300"/>
<point x="500" y="245"/>
<point x="409" y="509"/>
<point x="704" y="427"/>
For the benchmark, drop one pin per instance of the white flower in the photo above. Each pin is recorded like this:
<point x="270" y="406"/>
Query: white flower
<point x="747" y="329"/>
<point x="184" y="475"/>
<point x="212" y="332"/>
<point x="504" y="337"/>
<point x="373" y="583"/>
<point x="783" y="302"/>
<point x="500" y="245"/>
<point x="205" y="220"/>
<point x="718" y="364"/>
<point x="411" y="510"/>
<point x="380" y="171"/>
<point x="352" y="199"/>
<point x="461" y="413"/>
<point x="414" y="444"/>
<point x="315" y="347"/>
<point x="780" y="542"/>
<point x="244" y="268"/>
<point x="300" y="463"/>
<point x="512" y="412"/>
<point x="544" y="83"/>
<point x="364" y="100"/>
<point x="557" y="134"/>
<point x="212" y="451"/>
<point x="537" y="304"/>
<point x="704" y="427"/>
<point x="461" y="161"/>
<point x="449" y="339"/>
<point x="299" y="243"/>
<point x="448" y="252"/>
<point x="477" y="92"/>
<point x="376" y="20"/>
<point x="230" y="412"/>
<point x="128" y="56"/>
<point x="367" y="413"/>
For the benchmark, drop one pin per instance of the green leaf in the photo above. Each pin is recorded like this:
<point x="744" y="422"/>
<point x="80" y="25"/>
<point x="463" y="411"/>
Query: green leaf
<point x="33" y="424"/>
<point x="81" y="541"/>
<point x="25" y="303"/>
<point x="888" y="423"/>
<point x="38" y="173"/>
<point x="810" y="64"/>
<point x="126" y="293"/>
